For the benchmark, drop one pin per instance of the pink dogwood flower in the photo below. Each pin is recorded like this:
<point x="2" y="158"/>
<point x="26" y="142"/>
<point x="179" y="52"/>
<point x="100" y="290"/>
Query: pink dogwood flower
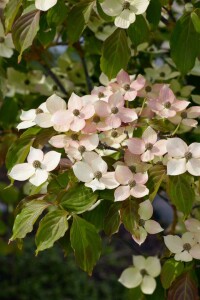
<point x="114" y="111"/>
<point x="187" y="117"/>
<point x="128" y="87"/>
<point x="166" y="105"/>
<point x="130" y="184"/>
<point x="56" y="115"/>
<point x="148" y="146"/>
<point x="84" y="144"/>
<point x="93" y="170"/>
<point x="79" y="112"/>
<point x="182" y="158"/>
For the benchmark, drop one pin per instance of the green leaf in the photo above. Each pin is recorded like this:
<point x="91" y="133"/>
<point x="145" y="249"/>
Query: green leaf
<point x="51" y="228"/>
<point x="77" y="19"/>
<point x="156" y="176"/>
<point x="59" y="183"/>
<point x="25" y="220"/>
<point x="20" y="148"/>
<point x="11" y="10"/>
<point x="58" y="13"/>
<point x="195" y="16"/>
<point x="24" y="31"/>
<point x="116" y="53"/>
<point x="129" y="215"/>
<point x="184" y="288"/>
<point x="112" y="219"/>
<point x="153" y="12"/>
<point x="86" y="244"/>
<point x="8" y="112"/>
<point x="181" y="193"/>
<point x="97" y="215"/>
<point x="185" y="44"/>
<point x="139" y="32"/>
<point x="78" y="199"/>
<point x="170" y="271"/>
<point x="46" y="33"/>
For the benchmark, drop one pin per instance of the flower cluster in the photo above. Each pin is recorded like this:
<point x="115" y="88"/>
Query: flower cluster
<point x="111" y="139"/>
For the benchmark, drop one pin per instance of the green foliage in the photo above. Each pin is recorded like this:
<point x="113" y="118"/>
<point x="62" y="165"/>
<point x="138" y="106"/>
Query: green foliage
<point x="181" y="193"/>
<point x="116" y="53"/>
<point x="77" y="19"/>
<point x="154" y="12"/>
<point x="185" y="41"/>
<point x="51" y="228"/>
<point x="86" y="244"/>
<point x="24" y="31"/>
<point x="11" y="11"/>
<point x="157" y="174"/>
<point x="20" y="149"/>
<point x="77" y="199"/>
<point x="184" y="288"/>
<point x="129" y="215"/>
<point x="112" y="219"/>
<point x="170" y="271"/>
<point x="25" y="220"/>
<point x="139" y="32"/>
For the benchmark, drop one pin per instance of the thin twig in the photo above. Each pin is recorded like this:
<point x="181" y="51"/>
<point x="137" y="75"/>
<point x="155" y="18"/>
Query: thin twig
<point x="55" y="79"/>
<point x="80" y="51"/>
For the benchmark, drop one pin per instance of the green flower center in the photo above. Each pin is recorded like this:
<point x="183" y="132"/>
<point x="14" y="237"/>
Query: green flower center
<point x="148" y="89"/>
<point x="76" y="112"/>
<point x="127" y="87"/>
<point x="184" y="115"/>
<point x="149" y="146"/>
<point x="114" y="134"/>
<point x="101" y="95"/>
<point x="143" y="272"/>
<point x="126" y="5"/>
<point x="167" y="105"/>
<point x="187" y="247"/>
<point x="114" y="110"/>
<point x="98" y="175"/>
<point x="132" y="183"/>
<point x="96" y="119"/>
<point x="81" y="149"/>
<point x="36" y="164"/>
<point x="162" y="74"/>
<point x="38" y="111"/>
<point x="27" y="82"/>
<point x="74" y="137"/>
<point x="188" y="155"/>
<point x="141" y="222"/>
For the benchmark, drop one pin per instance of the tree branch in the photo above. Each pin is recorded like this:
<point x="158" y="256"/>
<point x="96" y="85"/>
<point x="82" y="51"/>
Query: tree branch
<point x="80" y="51"/>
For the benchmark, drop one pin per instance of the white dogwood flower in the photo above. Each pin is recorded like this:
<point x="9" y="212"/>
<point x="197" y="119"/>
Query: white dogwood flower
<point x="45" y="5"/>
<point x="93" y="171"/>
<point x="28" y="117"/>
<point x="185" y="248"/>
<point x="57" y="115"/>
<point x="37" y="167"/>
<point x="124" y="11"/>
<point x="146" y="225"/>
<point x="142" y="273"/>
<point x="182" y="158"/>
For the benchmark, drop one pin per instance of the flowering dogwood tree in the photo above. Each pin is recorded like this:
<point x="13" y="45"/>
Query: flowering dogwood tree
<point x="101" y="99"/>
